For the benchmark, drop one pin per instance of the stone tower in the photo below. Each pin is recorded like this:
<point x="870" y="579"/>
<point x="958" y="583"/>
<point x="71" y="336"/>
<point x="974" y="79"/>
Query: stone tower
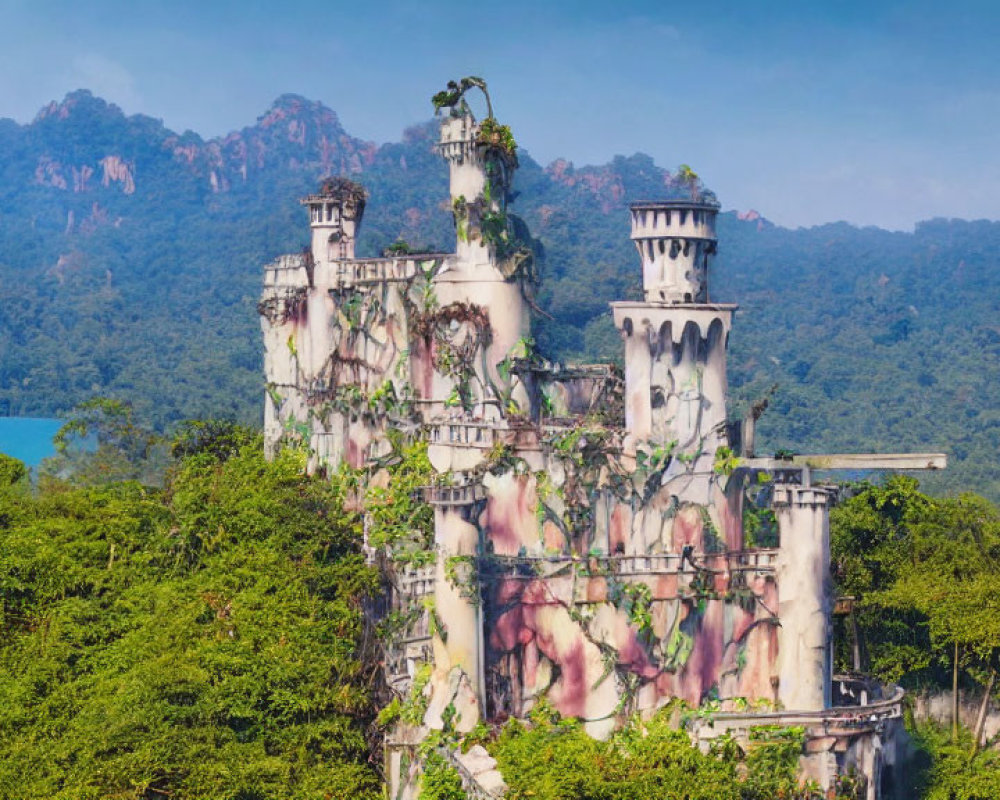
<point x="675" y="339"/>
<point x="335" y="213"/>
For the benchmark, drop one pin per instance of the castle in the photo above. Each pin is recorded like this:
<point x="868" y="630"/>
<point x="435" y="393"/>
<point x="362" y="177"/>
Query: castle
<point x="602" y="543"/>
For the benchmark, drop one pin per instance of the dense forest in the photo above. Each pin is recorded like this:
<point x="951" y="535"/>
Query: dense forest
<point x="130" y="266"/>
<point x="215" y="633"/>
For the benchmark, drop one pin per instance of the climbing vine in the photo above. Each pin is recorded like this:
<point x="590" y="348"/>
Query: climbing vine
<point x="455" y="335"/>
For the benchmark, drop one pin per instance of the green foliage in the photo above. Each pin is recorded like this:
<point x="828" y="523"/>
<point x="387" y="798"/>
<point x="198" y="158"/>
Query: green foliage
<point x="493" y="134"/>
<point x="202" y="641"/>
<point x="686" y="184"/>
<point x="772" y="762"/>
<point x="555" y="759"/>
<point x="413" y="709"/>
<point x="220" y="438"/>
<point x="949" y="773"/>
<point x="926" y="572"/>
<point x="398" y="516"/>
<point x="11" y="471"/>
<point x="398" y="248"/>
<point x="640" y="598"/>
<point x="760" y="526"/>
<point x="726" y="461"/>
<point x="462" y="573"/>
<point x="125" y="449"/>
<point x="439" y="779"/>
<point x="453" y="96"/>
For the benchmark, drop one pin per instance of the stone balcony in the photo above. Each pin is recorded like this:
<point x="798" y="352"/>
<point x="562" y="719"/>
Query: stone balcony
<point x="366" y="271"/>
<point x="416" y="582"/>
<point x="454" y="495"/>
<point x="860" y="706"/>
<point x="760" y="561"/>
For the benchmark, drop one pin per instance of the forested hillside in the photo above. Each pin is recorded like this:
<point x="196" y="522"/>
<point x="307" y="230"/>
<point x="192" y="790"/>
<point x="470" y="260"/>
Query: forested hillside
<point x="130" y="266"/>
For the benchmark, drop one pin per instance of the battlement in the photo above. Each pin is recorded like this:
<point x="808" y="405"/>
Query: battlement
<point x="692" y="219"/>
<point x="364" y="271"/>
<point x="675" y="240"/>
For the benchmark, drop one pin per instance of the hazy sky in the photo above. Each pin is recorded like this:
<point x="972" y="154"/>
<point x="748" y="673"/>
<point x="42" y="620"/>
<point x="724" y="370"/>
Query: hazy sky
<point x="873" y="112"/>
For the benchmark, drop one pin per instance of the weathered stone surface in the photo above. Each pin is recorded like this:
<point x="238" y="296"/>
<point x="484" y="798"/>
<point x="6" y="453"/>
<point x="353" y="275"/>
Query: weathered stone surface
<point x="477" y="760"/>
<point x="492" y="783"/>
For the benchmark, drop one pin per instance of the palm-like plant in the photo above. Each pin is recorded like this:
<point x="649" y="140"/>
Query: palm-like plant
<point x="454" y="92"/>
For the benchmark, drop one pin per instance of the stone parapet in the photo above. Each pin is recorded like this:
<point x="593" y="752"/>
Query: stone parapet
<point x="793" y="495"/>
<point x="673" y="218"/>
<point x="287" y="271"/>
<point x="361" y="271"/>
<point x="416" y="582"/>
<point x="454" y="495"/>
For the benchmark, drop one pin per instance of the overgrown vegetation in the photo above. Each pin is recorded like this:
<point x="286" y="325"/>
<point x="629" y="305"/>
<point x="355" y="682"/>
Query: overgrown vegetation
<point x="203" y="640"/>
<point x="554" y="759"/>
<point x="925" y="573"/>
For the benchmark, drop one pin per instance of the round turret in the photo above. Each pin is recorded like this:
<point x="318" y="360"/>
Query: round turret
<point x="675" y="240"/>
<point x="335" y="216"/>
<point x="481" y="159"/>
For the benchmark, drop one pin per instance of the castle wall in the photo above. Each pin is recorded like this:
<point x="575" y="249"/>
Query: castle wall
<point x="601" y="631"/>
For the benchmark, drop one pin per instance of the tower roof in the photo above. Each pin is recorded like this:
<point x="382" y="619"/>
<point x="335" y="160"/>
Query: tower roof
<point x="338" y="189"/>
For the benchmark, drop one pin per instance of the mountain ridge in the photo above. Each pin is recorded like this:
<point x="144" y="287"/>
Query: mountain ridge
<point x="130" y="258"/>
<point x="233" y="149"/>
<point x="309" y="123"/>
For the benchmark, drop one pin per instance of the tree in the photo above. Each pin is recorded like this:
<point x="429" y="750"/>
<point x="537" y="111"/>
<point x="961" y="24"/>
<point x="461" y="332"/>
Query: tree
<point x="102" y="443"/>
<point x="455" y="91"/>
<point x="953" y="580"/>
<point x="11" y="470"/>
<point x="926" y="573"/>
<point x="204" y="640"/>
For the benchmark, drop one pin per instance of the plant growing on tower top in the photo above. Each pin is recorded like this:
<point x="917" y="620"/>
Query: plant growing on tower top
<point x="687" y="184"/>
<point x="493" y="134"/>
<point x="689" y="178"/>
<point x="453" y="96"/>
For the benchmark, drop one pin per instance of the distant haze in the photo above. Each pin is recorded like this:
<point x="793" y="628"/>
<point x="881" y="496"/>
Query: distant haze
<point x="875" y="113"/>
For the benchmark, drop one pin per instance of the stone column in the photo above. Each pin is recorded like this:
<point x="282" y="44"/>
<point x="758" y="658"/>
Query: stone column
<point x="804" y="596"/>
<point x="458" y="642"/>
<point x="638" y="365"/>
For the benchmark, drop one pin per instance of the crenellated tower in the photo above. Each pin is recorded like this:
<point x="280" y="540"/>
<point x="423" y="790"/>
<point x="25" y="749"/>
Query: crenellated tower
<point x="675" y="240"/>
<point x="675" y="339"/>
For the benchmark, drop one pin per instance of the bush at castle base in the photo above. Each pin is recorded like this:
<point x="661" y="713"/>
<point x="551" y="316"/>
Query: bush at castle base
<point x="200" y="641"/>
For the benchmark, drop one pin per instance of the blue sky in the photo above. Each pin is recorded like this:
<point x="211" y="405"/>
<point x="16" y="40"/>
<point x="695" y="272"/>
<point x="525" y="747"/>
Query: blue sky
<point x="879" y="113"/>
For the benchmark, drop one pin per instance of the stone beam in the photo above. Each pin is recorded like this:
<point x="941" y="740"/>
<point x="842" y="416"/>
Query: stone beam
<point x="860" y="461"/>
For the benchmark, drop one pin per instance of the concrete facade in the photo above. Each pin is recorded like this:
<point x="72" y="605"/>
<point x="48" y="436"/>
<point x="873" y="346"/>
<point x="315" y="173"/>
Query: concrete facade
<point x="590" y="545"/>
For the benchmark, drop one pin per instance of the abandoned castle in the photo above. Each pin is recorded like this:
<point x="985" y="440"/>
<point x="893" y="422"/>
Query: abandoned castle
<point x="591" y="542"/>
